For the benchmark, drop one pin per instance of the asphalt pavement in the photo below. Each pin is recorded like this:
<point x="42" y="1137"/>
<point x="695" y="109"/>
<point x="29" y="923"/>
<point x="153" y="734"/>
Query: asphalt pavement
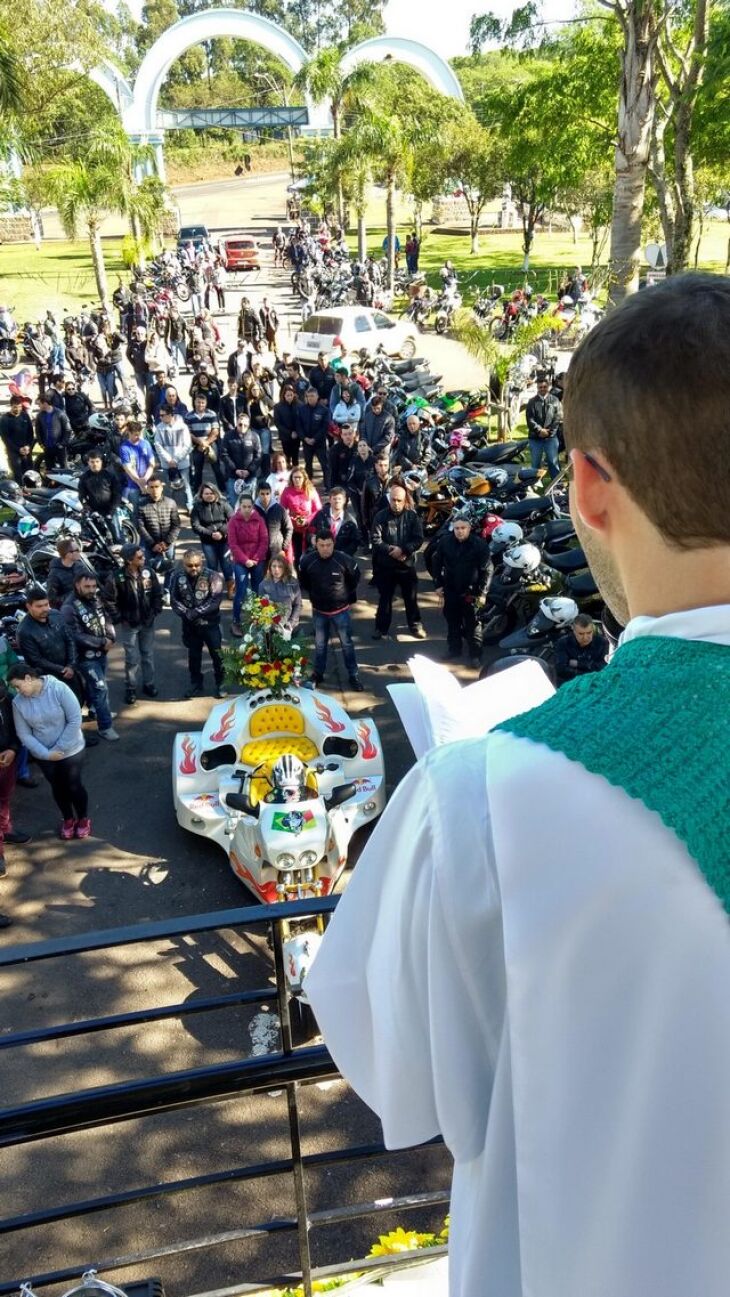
<point x="140" y="866"/>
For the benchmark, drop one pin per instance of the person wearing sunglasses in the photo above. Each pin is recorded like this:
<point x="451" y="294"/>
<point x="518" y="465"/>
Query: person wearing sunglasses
<point x="61" y="571"/>
<point x="532" y="957"/>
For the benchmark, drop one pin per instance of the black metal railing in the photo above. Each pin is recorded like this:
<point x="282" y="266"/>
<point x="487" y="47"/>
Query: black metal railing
<point x="102" y="1106"/>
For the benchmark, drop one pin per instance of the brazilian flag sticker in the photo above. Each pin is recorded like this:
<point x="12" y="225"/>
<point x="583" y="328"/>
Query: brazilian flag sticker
<point x="293" y="821"/>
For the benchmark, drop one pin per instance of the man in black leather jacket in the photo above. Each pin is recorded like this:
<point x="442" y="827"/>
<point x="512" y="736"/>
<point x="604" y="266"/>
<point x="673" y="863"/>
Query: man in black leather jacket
<point x="397" y="537"/>
<point x="135" y="598"/>
<point x="195" y="596"/>
<point x="462" y="568"/>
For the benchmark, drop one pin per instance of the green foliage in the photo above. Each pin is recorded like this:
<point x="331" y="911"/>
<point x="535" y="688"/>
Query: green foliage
<point x="135" y="251"/>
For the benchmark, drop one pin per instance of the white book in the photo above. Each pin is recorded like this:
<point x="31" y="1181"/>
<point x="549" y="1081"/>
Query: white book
<point x="436" y="709"/>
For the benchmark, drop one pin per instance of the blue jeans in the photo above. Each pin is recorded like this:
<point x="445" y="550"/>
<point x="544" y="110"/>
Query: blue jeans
<point x="107" y="385"/>
<point x="218" y="558"/>
<point x="22" y="764"/>
<point x="156" y="560"/>
<point x="247" y="578"/>
<point x="58" y="357"/>
<point x="547" y="447"/>
<point x="97" y="690"/>
<point x="324" y="624"/>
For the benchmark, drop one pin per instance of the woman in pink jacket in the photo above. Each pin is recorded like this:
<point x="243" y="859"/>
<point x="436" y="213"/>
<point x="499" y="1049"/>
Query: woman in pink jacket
<point x="248" y="540"/>
<point x="302" y="501"/>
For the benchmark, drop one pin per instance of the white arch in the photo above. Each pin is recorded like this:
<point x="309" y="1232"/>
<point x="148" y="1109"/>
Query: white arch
<point x="114" y="84"/>
<point x="140" y="116"/>
<point x="426" y="61"/>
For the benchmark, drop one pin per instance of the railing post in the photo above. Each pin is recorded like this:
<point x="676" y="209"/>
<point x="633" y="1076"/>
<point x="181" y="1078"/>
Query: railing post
<point x="300" y="1195"/>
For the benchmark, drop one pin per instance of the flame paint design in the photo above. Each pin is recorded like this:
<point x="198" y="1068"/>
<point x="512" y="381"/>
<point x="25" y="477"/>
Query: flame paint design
<point x="326" y="717"/>
<point x="292" y="968"/>
<point x="367" y="747"/>
<point x="226" y="724"/>
<point x="188" y="765"/>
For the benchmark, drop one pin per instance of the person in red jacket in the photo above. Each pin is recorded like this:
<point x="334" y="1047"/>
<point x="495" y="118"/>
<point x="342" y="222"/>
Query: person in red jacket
<point x="302" y="501"/>
<point x="248" y="540"/>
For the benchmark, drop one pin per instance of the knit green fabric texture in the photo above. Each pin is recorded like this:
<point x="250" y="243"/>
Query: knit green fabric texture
<point x="656" y="723"/>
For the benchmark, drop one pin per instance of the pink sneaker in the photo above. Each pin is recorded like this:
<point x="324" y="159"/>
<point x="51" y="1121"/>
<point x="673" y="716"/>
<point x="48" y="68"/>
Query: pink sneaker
<point x="68" y="828"/>
<point x="83" y="827"/>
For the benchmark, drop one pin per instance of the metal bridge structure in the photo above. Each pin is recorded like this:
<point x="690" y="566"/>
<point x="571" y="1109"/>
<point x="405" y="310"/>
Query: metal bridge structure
<point x="137" y="104"/>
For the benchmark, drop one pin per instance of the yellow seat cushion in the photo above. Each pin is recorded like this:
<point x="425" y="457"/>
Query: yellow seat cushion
<point x="279" y="718"/>
<point x="260" y="750"/>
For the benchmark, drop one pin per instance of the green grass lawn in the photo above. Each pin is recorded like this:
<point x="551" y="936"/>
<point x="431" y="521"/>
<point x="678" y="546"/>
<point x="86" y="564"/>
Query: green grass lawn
<point x="500" y="256"/>
<point x="59" y="277"/>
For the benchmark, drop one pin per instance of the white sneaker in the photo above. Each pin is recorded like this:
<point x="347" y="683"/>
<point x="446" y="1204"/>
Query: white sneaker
<point x="110" y="735"/>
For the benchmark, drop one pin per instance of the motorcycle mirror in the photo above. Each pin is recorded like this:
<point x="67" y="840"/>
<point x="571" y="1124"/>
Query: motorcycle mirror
<point x="242" y="802"/>
<point x="340" y="794"/>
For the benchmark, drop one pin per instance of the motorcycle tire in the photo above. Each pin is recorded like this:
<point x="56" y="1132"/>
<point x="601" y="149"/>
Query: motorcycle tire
<point x="440" y="325"/>
<point x="303" y="1022"/>
<point x="182" y="292"/>
<point x="498" y="330"/>
<point x="496" y="624"/>
<point x="130" y="535"/>
<point x="408" y="350"/>
<point x="8" y="356"/>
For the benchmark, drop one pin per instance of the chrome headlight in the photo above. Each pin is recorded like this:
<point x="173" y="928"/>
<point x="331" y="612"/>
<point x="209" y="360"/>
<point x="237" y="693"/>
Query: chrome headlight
<point x="285" y="860"/>
<point x="307" y="859"/>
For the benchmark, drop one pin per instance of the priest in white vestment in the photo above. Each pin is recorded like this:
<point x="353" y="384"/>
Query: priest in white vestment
<point x="532" y="957"/>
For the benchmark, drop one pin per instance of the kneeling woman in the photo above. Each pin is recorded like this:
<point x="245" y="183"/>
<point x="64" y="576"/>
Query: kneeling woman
<point x="48" y="723"/>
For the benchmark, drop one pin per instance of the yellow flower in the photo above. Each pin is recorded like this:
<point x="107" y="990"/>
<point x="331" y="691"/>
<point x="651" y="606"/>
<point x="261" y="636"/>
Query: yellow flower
<point x="397" y="1241"/>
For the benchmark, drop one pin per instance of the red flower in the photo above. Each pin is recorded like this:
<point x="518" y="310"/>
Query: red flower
<point x="277" y="619"/>
<point x="265" y="603"/>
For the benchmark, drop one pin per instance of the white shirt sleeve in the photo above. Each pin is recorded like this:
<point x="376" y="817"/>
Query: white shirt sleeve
<point x="408" y="986"/>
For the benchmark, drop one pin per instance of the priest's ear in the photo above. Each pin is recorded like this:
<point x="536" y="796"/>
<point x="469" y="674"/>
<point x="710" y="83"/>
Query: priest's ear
<point x="592" y="490"/>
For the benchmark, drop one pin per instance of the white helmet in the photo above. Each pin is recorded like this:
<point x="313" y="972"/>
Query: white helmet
<point x="507" y="533"/>
<point x="523" y="557"/>
<point x="560" y="611"/>
<point x="288" y="772"/>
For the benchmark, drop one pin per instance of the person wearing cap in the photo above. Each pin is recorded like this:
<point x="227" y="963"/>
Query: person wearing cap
<point x="53" y="433"/>
<point x="138" y="460"/>
<point x="16" y="433"/>
<point x="88" y="619"/>
<point x="135" y="599"/>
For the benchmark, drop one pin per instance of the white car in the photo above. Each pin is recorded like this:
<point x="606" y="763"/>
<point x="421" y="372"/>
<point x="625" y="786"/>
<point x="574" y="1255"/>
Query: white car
<point x="353" y="327"/>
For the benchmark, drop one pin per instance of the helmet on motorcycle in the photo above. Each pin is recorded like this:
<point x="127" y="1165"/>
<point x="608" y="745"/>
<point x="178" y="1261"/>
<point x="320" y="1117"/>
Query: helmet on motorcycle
<point x="28" y="527"/>
<point x="523" y="557"/>
<point x="567" y="300"/>
<point x="32" y="480"/>
<point x="507" y="533"/>
<point x="288" y="772"/>
<point x="560" y="611"/>
<point x="10" y="490"/>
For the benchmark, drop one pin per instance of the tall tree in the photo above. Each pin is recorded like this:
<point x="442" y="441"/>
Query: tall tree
<point x="322" y="79"/>
<point x="640" y="24"/>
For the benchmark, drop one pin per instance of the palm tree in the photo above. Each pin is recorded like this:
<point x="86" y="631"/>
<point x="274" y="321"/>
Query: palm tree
<point x="322" y="79"/>
<point x="12" y="80"/>
<point x="381" y="141"/>
<point x="85" y="190"/>
<point x="355" y="170"/>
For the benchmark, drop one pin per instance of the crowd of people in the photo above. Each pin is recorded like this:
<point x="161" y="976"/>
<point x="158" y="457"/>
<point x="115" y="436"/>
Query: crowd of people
<point x="284" y="476"/>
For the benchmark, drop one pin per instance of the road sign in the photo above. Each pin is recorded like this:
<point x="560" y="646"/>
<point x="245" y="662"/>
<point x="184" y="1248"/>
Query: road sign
<point x="655" y="277"/>
<point x="656" y="255"/>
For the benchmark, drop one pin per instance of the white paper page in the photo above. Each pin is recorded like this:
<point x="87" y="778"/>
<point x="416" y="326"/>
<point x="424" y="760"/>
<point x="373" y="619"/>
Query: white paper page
<point x="436" y="710"/>
<point x="413" y="717"/>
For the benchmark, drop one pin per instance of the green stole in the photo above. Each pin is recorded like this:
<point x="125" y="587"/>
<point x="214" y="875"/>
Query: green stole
<point x="656" y="723"/>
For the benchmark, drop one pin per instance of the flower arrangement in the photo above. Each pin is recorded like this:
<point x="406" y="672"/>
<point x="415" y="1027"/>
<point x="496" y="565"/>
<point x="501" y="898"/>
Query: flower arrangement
<point x="265" y="658"/>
